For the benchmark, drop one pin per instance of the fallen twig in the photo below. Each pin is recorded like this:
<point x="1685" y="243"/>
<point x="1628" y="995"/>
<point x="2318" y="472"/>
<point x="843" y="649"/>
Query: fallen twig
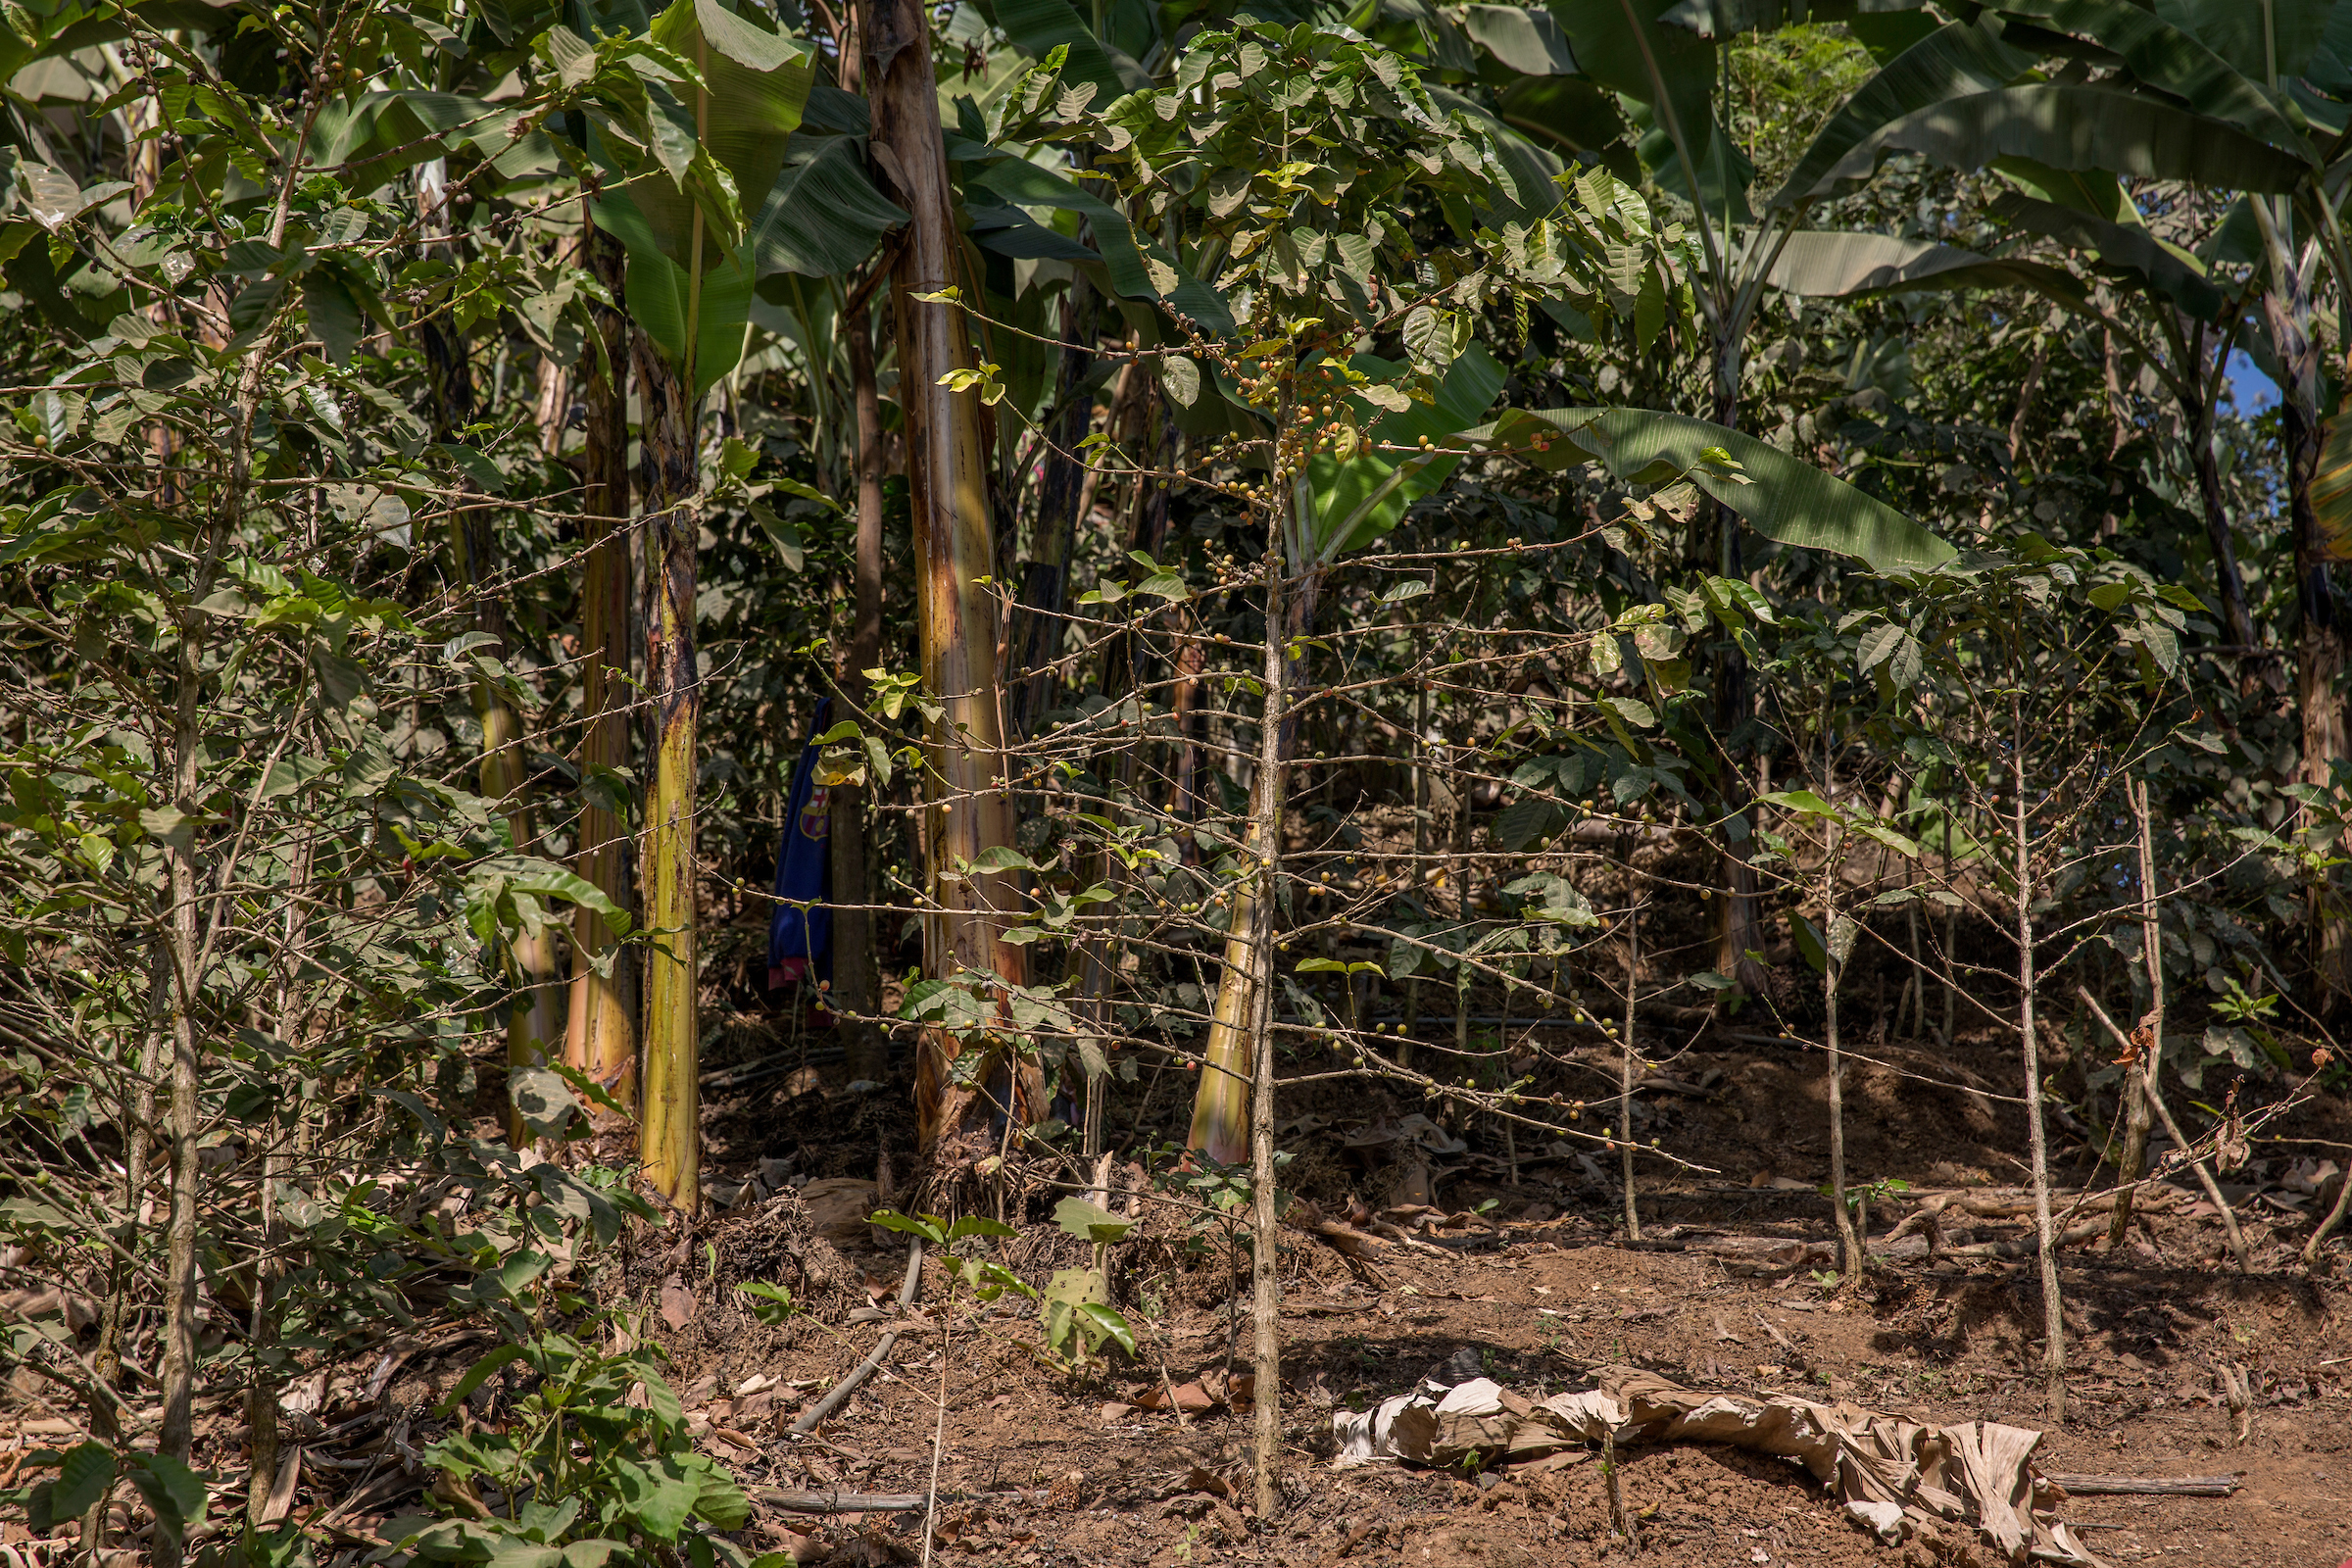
<point x="2144" y="1486"/>
<point x="2336" y="1217"/>
<point x="814" y="1417"/>
<point x="1174" y="1403"/>
<point x="840" y="1501"/>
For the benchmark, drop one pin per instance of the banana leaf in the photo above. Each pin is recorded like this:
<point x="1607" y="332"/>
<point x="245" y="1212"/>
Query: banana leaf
<point x="1128" y="265"/>
<point x="822" y="214"/>
<point x="2254" y="38"/>
<point x="1723" y="18"/>
<point x="1039" y="27"/>
<point x="1611" y="54"/>
<point x="2121" y="248"/>
<point x="1961" y="58"/>
<point x="2175" y="61"/>
<point x="1352" y="503"/>
<point x="2332" y="488"/>
<point x="1782" y="496"/>
<point x="701" y="328"/>
<point x="1526" y="39"/>
<point x="759" y="83"/>
<point x="2067" y="125"/>
<point x="1820" y="264"/>
<point x="2094" y="191"/>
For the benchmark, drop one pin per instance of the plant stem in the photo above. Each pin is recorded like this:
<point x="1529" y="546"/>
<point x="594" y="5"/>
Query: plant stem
<point x="2053" y="1308"/>
<point x="1461" y="905"/>
<point x="177" y="1433"/>
<point x="1625" y="1074"/>
<point x="1849" y="1243"/>
<point x="2145" y="1064"/>
<point x="1265" y="1291"/>
<point x="1951" y="921"/>
<point x="2326" y="1227"/>
<point x="669" y="1140"/>
<point x="953" y="533"/>
<point x="1412" y="987"/>
<point x="939" y="1429"/>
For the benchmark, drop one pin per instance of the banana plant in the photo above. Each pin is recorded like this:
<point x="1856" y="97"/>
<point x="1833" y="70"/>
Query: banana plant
<point x="1659" y="67"/>
<point x="2199" y="92"/>
<point x="688" y="165"/>
<point x="2164" y="305"/>
<point x="680" y="145"/>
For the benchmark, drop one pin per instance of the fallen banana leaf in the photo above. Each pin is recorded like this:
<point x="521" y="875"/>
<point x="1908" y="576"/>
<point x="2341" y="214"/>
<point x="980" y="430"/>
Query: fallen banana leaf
<point x="1894" y="1477"/>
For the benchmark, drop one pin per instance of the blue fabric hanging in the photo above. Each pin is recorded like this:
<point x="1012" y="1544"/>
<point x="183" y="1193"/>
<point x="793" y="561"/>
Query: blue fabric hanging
<point x="799" y="941"/>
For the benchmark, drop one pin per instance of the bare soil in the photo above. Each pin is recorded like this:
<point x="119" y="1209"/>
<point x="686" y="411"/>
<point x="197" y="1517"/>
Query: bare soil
<point x="1038" y="1465"/>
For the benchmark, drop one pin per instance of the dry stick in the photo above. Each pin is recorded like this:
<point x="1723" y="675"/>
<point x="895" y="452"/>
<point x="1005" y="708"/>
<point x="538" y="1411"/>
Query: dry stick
<point x="2053" y="1309"/>
<point x="1168" y="1386"/>
<point x="2146" y="1065"/>
<point x="1412" y="986"/>
<point x="1951" y="921"/>
<point x="1833" y="970"/>
<point x="2336" y="1217"/>
<point x="841" y="1501"/>
<point x="1625" y="1073"/>
<point x="1461" y="901"/>
<point x="2155" y="1098"/>
<point x="814" y="1416"/>
<point x="2076" y="1486"/>
<point x="939" y="1431"/>
<point x="1915" y="986"/>
<point x="1266" y="1293"/>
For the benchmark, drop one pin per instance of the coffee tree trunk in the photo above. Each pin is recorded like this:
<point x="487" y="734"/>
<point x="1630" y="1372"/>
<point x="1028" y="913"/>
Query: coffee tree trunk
<point x="1735" y="908"/>
<point x="2147" y="1064"/>
<point x="177" y="1430"/>
<point x="2320" y="656"/>
<point x="1265" y="825"/>
<point x="2226" y="575"/>
<point x="1850" y="1237"/>
<point x="955" y="620"/>
<point x="2045" y="1231"/>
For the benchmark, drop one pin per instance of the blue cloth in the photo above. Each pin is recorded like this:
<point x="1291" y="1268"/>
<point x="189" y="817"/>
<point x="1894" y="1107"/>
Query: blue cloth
<point x="799" y="941"/>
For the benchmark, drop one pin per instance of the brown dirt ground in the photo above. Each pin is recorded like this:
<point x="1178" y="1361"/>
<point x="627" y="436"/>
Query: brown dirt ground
<point x="1044" y="1468"/>
<point x="1051" y="1470"/>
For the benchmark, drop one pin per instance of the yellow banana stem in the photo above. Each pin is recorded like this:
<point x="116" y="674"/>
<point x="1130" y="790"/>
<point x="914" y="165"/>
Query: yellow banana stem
<point x="670" y="1132"/>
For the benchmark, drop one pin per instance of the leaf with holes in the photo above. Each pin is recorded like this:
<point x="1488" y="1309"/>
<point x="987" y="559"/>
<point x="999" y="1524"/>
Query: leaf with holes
<point x="1091" y="1223"/>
